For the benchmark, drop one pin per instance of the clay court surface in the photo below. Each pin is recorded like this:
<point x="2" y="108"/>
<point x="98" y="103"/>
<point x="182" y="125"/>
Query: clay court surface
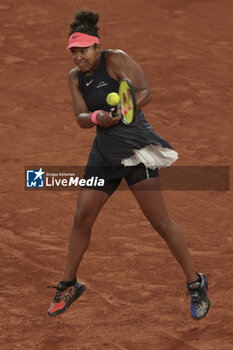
<point x="135" y="297"/>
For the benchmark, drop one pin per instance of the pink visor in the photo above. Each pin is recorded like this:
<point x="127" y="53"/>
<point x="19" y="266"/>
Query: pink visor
<point x="82" y="40"/>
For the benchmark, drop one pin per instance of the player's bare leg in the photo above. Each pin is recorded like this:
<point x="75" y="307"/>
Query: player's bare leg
<point x="153" y="206"/>
<point x="90" y="202"/>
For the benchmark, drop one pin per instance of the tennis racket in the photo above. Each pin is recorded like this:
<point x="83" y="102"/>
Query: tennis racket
<point x="126" y="108"/>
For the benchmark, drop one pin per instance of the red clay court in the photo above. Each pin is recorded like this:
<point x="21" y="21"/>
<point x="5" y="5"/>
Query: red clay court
<point x="135" y="297"/>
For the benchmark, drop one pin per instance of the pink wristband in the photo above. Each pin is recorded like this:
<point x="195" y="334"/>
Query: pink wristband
<point x="94" y="116"/>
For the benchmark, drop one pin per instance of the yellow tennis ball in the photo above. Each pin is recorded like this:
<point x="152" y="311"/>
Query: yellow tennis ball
<point x="113" y="99"/>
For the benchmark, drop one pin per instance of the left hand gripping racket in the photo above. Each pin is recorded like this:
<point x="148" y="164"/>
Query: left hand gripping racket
<point x="127" y="105"/>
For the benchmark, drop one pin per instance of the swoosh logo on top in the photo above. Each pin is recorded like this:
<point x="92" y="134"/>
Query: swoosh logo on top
<point x="87" y="84"/>
<point x="73" y="37"/>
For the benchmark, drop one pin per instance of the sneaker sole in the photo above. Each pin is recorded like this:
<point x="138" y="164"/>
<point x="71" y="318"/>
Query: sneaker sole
<point x="80" y="291"/>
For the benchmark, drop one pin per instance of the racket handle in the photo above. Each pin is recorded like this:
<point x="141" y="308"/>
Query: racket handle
<point x="114" y="112"/>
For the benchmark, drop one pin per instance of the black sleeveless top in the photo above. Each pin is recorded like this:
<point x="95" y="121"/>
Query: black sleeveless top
<point x="97" y="86"/>
<point x="113" y="144"/>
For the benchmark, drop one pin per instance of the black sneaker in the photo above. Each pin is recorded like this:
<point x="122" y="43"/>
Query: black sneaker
<point x="65" y="297"/>
<point x="200" y="303"/>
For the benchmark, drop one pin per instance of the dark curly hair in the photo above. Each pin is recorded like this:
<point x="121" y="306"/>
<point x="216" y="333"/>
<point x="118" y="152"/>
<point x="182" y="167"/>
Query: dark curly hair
<point x="85" y="22"/>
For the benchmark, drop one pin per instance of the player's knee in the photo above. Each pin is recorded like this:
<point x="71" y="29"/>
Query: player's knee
<point x="83" y="220"/>
<point x="161" y="225"/>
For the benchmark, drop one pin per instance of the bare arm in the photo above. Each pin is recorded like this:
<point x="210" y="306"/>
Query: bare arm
<point x="82" y="114"/>
<point x="120" y="66"/>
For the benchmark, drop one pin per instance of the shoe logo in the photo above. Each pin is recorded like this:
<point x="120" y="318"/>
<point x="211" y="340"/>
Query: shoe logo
<point x="87" y="84"/>
<point x="101" y="84"/>
<point x="73" y="37"/>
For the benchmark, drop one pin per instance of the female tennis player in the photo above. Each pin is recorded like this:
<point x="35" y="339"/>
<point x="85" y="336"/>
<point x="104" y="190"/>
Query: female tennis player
<point x="119" y="151"/>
